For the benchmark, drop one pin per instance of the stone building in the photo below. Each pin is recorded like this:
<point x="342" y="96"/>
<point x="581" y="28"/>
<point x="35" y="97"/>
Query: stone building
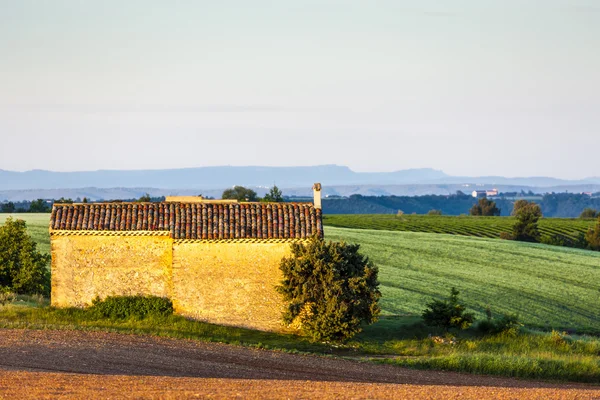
<point x="218" y="261"/>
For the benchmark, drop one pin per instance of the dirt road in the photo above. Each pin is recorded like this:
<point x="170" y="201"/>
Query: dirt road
<point x="50" y="364"/>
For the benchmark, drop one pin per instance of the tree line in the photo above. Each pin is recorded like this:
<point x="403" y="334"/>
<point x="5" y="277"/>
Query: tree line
<point x="239" y="193"/>
<point x="564" y="205"/>
<point x="525" y="229"/>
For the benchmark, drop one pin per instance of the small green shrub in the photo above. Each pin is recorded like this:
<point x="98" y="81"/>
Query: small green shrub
<point x="565" y="241"/>
<point x="124" y="307"/>
<point x="331" y="289"/>
<point x="508" y="324"/>
<point x="506" y="236"/>
<point x="6" y="297"/>
<point x="559" y="339"/>
<point x="448" y="313"/>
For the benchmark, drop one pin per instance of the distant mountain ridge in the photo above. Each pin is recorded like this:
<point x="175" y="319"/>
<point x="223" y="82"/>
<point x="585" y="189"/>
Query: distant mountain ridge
<point x="205" y="178"/>
<point x="122" y="193"/>
<point x="210" y="177"/>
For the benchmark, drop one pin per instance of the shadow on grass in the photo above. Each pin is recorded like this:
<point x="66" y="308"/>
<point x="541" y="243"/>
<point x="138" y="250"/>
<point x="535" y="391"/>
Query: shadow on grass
<point x="396" y="327"/>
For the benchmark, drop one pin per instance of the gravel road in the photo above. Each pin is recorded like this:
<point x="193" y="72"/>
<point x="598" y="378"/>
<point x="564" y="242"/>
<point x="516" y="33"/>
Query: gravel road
<point x="48" y="364"/>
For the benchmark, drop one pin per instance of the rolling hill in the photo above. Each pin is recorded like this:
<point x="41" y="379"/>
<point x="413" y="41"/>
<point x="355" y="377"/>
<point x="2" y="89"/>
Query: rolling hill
<point x="548" y="286"/>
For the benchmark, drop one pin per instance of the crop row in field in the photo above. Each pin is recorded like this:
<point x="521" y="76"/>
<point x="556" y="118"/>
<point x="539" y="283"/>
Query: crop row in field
<point x="489" y="227"/>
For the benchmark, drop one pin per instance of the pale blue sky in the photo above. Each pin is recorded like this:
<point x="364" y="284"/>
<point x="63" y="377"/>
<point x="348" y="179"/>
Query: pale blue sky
<point x="470" y="87"/>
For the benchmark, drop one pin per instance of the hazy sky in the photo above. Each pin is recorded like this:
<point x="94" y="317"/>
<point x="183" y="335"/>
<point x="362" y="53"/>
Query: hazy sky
<point x="470" y="87"/>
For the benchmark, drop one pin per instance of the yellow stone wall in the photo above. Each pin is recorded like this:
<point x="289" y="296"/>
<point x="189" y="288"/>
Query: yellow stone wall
<point x="229" y="283"/>
<point x="84" y="267"/>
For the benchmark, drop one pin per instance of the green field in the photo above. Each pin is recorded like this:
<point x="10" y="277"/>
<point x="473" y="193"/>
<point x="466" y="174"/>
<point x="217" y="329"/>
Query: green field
<point x="489" y="227"/>
<point x="548" y="286"/>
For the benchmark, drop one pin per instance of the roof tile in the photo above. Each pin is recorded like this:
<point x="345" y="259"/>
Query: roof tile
<point x="193" y="220"/>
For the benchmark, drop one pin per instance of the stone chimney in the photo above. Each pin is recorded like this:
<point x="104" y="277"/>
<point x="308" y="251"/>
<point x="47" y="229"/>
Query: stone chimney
<point x="317" y="195"/>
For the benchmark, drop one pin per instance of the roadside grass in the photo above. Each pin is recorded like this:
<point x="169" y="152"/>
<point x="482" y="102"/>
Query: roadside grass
<point x="402" y="341"/>
<point x="546" y="366"/>
<point x="530" y="354"/>
<point x="27" y="313"/>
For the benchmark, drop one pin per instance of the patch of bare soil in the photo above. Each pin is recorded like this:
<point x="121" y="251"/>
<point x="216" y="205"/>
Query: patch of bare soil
<point x="74" y="364"/>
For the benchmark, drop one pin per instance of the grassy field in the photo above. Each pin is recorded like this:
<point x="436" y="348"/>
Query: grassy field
<point x="489" y="227"/>
<point x="548" y="286"/>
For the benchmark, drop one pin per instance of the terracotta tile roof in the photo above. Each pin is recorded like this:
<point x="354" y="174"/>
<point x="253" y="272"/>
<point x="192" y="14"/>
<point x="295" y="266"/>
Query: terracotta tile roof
<point x="193" y="220"/>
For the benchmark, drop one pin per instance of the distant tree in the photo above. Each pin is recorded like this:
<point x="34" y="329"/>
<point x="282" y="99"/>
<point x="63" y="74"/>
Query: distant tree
<point x="62" y="200"/>
<point x="485" y="208"/>
<point x="8" y="207"/>
<point x="526" y="226"/>
<point x="434" y="212"/>
<point x="593" y="237"/>
<point x="239" y="193"/>
<point x="22" y="266"/>
<point x="518" y="205"/>
<point x="589" y="213"/>
<point x="274" y="195"/>
<point x="144" y="199"/>
<point x="39" y="206"/>
<point x="85" y="200"/>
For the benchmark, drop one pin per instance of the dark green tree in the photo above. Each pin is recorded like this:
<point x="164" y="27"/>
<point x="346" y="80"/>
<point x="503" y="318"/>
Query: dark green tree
<point x="518" y="205"/>
<point x="331" y="289"/>
<point x="592" y="237"/>
<point x="39" y="206"/>
<point x="62" y="200"/>
<point x="239" y="193"/>
<point x="485" y="208"/>
<point x="525" y="228"/>
<point x="448" y="313"/>
<point x="589" y="213"/>
<point x="144" y="199"/>
<point x="22" y="266"/>
<point x="274" y="195"/>
<point x="8" y="207"/>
